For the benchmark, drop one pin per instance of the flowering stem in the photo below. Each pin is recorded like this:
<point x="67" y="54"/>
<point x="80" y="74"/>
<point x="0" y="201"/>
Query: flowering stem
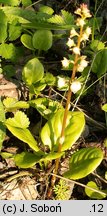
<point x="69" y="94"/>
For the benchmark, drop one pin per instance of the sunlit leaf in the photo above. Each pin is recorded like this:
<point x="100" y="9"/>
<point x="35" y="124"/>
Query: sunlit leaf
<point x="104" y="107"/>
<point x="83" y="162"/>
<point x="46" y="9"/>
<point x="6" y="155"/>
<point x="92" y="194"/>
<point x="33" y="71"/>
<point x="51" y="132"/>
<point x="57" y="19"/>
<point x="12" y="104"/>
<point x="7" y="51"/>
<point x="27" y="41"/>
<point x="10" y="2"/>
<point x="26" y="159"/>
<point x="19" y="120"/>
<point x="3" y="26"/>
<point x="42" y="40"/>
<point x="24" y="135"/>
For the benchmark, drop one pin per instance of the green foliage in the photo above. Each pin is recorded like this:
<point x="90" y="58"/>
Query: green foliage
<point x="97" y="45"/>
<point x="104" y="107"/>
<point x="92" y="194"/>
<point x="66" y="18"/>
<point x="46" y="9"/>
<point x="33" y="72"/>
<point x="27" y="41"/>
<point x="10" y="2"/>
<point x="12" y="104"/>
<point x="15" y="30"/>
<point x="45" y="106"/>
<point x="100" y="63"/>
<point x="7" y="51"/>
<point x="19" y="120"/>
<point x="42" y="40"/>
<point x="51" y="132"/>
<point x="2" y="126"/>
<point x="6" y="155"/>
<point x="9" y="70"/>
<point x="83" y="162"/>
<point x="27" y="160"/>
<point x="26" y="3"/>
<point x="62" y="190"/>
<point x="3" y="26"/>
<point x="18" y="127"/>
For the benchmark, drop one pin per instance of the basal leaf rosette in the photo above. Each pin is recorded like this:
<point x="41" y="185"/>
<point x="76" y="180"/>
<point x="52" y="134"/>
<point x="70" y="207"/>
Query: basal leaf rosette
<point x="51" y="132"/>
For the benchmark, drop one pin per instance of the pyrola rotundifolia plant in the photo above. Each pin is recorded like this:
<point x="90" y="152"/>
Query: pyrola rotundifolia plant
<point x="79" y="62"/>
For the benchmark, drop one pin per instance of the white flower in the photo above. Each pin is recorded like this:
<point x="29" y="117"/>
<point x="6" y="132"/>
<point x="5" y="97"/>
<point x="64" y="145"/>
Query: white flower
<point x="80" y="22"/>
<point x="61" y="82"/>
<point x="76" y="50"/>
<point x="65" y="62"/>
<point x="88" y="31"/>
<point x="73" y="33"/>
<point x="70" y="43"/>
<point x="75" y="86"/>
<point x="83" y="11"/>
<point x="78" y="11"/>
<point x="86" y="34"/>
<point x="83" y="63"/>
<point x="84" y="37"/>
<point x="80" y="68"/>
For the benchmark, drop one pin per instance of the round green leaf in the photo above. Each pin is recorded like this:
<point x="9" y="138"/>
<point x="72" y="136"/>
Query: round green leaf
<point x="42" y="40"/>
<point x="26" y="160"/>
<point x="27" y="41"/>
<point x="83" y="162"/>
<point x="92" y="194"/>
<point x="33" y="72"/>
<point x="51" y="132"/>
